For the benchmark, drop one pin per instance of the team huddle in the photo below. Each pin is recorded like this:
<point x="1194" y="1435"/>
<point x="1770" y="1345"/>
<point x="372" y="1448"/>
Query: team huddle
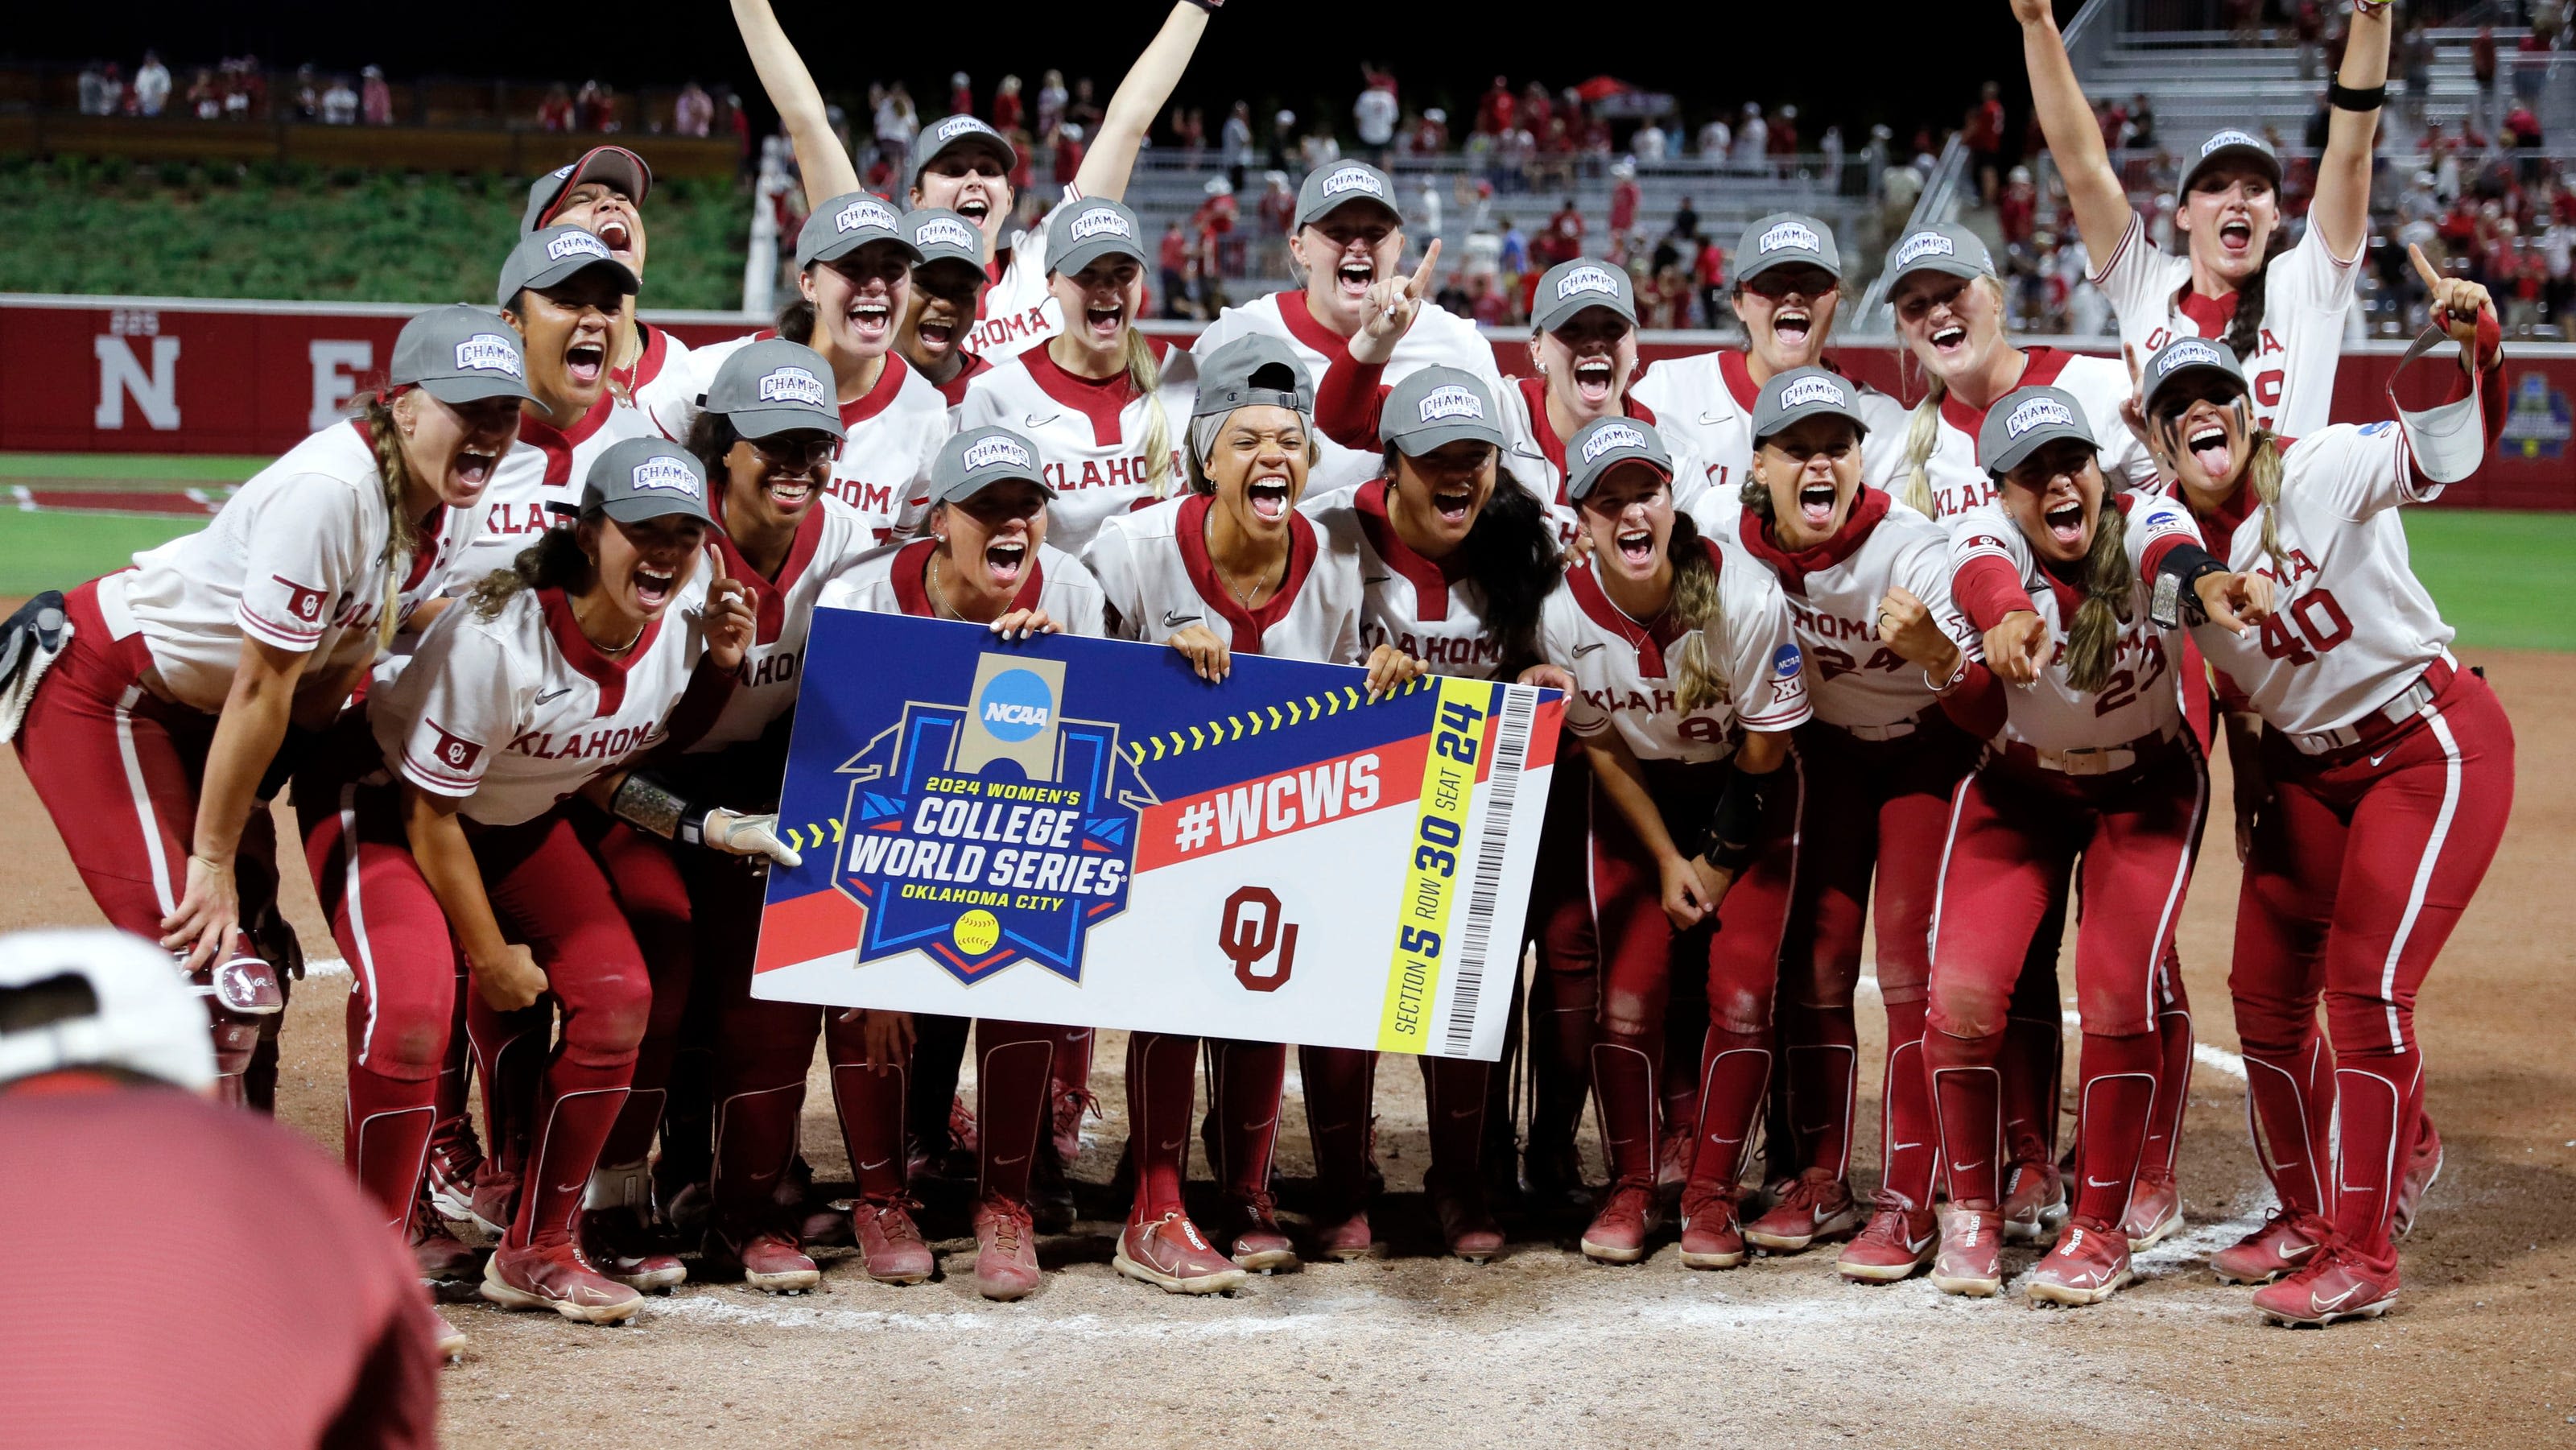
<point x="521" y="642"/>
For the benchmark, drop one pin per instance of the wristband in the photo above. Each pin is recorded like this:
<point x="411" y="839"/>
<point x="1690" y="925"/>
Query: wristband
<point x="2356" y="98"/>
<point x="1735" y="828"/>
<point x="1941" y="688"/>
<point x="2177" y="577"/>
<point x="646" y="803"/>
<point x="692" y="829"/>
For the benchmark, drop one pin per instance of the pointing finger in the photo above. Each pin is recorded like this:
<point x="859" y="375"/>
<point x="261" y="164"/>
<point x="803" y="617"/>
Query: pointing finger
<point x="2423" y="269"/>
<point x="1420" y="286"/>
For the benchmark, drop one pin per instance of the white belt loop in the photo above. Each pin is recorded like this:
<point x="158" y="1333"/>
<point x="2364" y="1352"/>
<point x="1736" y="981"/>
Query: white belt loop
<point x="1892" y="730"/>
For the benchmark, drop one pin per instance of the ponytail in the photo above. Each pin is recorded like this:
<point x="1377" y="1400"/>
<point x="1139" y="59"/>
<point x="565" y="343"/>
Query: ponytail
<point x="554" y="561"/>
<point x="393" y="474"/>
<point x="1922" y="435"/>
<point x="2110" y="588"/>
<point x="1146" y="376"/>
<point x="1698" y="681"/>
<point x="2244" y="335"/>
<point x="2263" y="474"/>
<point x="796" y="320"/>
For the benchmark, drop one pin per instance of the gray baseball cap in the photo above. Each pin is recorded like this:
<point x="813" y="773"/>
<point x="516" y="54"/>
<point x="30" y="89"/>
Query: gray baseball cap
<point x="950" y="132"/>
<point x="1802" y="393"/>
<point x="1570" y="287"/>
<point x="2181" y="358"/>
<point x="978" y="458"/>
<point x="2233" y="145"/>
<point x="1329" y="188"/>
<point x="775" y="386"/>
<point x="846" y="223"/>
<point x="1945" y="247"/>
<point x="1080" y="233"/>
<point x="1605" y="443"/>
<point x="645" y="478"/>
<point x="1254" y="370"/>
<point x="2026" y="419"/>
<point x="550" y="257"/>
<point x="1786" y="238"/>
<point x="460" y="354"/>
<point x="941" y="235"/>
<point x="623" y="170"/>
<point x="1436" y="406"/>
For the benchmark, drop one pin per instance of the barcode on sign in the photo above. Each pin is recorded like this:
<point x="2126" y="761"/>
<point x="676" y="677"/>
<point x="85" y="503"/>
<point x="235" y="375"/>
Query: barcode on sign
<point x="1511" y="753"/>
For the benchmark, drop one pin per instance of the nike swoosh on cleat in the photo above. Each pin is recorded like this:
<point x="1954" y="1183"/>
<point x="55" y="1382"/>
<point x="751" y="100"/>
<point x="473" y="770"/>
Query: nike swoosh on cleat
<point x="2328" y="1306"/>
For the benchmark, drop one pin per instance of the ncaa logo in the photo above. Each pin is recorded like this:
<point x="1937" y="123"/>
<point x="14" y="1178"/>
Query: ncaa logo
<point x="1101" y="221"/>
<point x="2037" y="413"/>
<point x="1797" y="235"/>
<point x="1586" y="279"/>
<point x="1614" y="435"/>
<point x="1813" y="390"/>
<point x="1354" y="178"/>
<point x="1452" y="400"/>
<point x="1785" y="660"/>
<point x="576" y="244"/>
<point x="488" y="352"/>
<point x="1015" y="705"/>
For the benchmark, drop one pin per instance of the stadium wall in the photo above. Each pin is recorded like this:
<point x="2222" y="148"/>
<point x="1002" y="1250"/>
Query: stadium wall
<point x="196" y="375"/>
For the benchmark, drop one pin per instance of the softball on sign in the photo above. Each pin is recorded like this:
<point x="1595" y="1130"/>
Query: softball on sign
<point x="976" y="932"/>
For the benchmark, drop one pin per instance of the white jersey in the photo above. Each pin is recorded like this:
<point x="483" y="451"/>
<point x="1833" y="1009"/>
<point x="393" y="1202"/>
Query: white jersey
<point x="1427" y="608"/>
<point x="2101" y="384"/>
<point x="1705" y="403"/>
<point x="296" y="559"/>
<point x="894" y="580"/>
<point x="513" y="713"/>
<point x="2352" y="625"/>
<point x="660" y="374"/>
<point x="1623" y="681"/>
<point x="1090" y="434"/>
<point x="1833" y="593"/>
<point x="1436" y="339"/>
<point x="537" y="485"/>
<point x="828" y="539"/>
<point x="2139" y="699"/>
<point x="2306" y="292"/>
<point x="1017" y="310"/>
<point x="882" y="471"/>
<point x="1154" y="571"/>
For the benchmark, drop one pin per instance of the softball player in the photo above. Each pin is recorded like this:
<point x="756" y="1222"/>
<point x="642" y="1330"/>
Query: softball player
<point x="148" y="736"/>
<point x="2378" y="777"/>
<point x="2090" y="760"/>
<point x="603" y="192"/>
<point x="457" y="835"/>
<point x="1346" y="238"/>
<point x="1455" y="559"/>
<point x="947" y="285"/>
<point x="983" y="558"/>
<point x="1682" y="681"/>
<point x="1096" y="399"/>
<point x="1788" y="287"/>
<point x="960" y="164"/>
<point x="2279" y="307"/>
<point x="1229" y="566"/>
<point x="562" y="291"/>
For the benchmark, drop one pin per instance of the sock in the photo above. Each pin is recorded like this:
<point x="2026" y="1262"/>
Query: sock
<point x="1624" y="1091"/>
<point x="1012" y="1067"/>
<point x="1246" y="1079"/>
<point x="575" y="1108"/>
<point x="386" y="1138"/>
<point x="1966" y="1089"/>
<point x="1341" y="1084"/>
<point x="1909" y="1136"/>
<point x="754" y="1136"/>
<point x="1160" y="1083"/>
<point x="1456" y="1092"/>
<point x="2119" y="1092"/>
<point x="1735" y="1071"/>
<point x="2288" y="1143"/>
<point x="2377" y="1101"/>
<point x="869" y="1099"/>
<point x="2173" y="1089"/>
<point x="1822" y="1065"/>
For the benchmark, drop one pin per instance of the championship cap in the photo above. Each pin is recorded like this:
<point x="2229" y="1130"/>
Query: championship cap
<point x="2026" y="419"/>
<point x="623" y="171"/>
<point x="1569" y="287"/>
<point x="950" y="132"/>
<point x="1786" y="238"/>
<point x="1080" y="233"/>
<point x="547" y="258"/>
<point x="459" y="354"/>
<point x="2233" y="145"/>
<point x="1328" y="188"/>
<point x="1435" y="406"/>
<point x="775" y="386"/>
<point x="1802" y="393"/>
<point x="978" y="458"/>
<point x="99" y="998"/>
<point x="644" y="478"/>
<point x="1945" y="247"/>
<point x="2181" y="358"/>
<point x="1254" y="370"/>
<point x="1605" y="443"/>
<point x="941" y="235"/>
<point x="846" y="223"/>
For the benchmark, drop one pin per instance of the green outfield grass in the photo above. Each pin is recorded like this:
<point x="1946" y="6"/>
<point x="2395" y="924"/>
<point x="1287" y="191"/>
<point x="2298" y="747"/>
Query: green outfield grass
<point x="2502" y="579"/>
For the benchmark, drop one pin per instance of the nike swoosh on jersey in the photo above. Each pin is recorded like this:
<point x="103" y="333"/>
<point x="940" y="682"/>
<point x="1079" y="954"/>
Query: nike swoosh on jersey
<point x="2383" y="755"/>
<point x="1173" y="618"/>
<point x="1711" y="419"/>
<point x="1037" y="420"/>
<point x="1374" y="580"/>
<point x="556" y="693"/>
<point x="1584" y="649"/>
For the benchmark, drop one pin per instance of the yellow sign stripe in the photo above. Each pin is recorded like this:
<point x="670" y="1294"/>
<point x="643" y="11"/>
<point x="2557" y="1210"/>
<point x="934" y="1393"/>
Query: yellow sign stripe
<point x="1431" y="883"/>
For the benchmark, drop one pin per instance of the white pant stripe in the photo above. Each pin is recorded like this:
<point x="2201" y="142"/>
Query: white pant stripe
<point x="365" y="965"/>
<point x="162" y="887"/>
<point x="2423" y="870"/>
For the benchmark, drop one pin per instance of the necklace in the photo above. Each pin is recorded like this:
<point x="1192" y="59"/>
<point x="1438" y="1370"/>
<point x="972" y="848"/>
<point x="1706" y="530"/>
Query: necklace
<point x="1241" y="597"/>
<point x="630" y="644"/>
<point x="938" y="601"/>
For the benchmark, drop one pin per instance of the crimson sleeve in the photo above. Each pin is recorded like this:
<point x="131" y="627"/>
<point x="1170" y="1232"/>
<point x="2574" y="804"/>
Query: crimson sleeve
<point x="1347" y="403"/>
<point x="710" y="689"/>
<point x="1986" y="589"/>
<point x="1976" y="704"/>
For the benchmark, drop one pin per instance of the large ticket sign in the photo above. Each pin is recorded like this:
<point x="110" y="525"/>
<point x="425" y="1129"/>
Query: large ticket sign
<point x="1081" y="831"/>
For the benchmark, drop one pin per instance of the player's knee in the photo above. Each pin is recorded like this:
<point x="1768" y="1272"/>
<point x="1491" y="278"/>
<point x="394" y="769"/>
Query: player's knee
<point x="1739" y="1007"/>
<point x="1967" y="1009"/>
<point x="2361" y="1021"/>
<point x="611" y="1012"/>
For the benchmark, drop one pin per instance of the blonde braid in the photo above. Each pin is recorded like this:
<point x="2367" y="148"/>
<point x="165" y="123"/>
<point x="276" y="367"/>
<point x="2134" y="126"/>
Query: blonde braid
<point x="2110" y="587"/>
<point x="393" y="473"/>
<point x="2264" y="472"/>
<point x="1146" y="376"/>
<point x="1698" y="680"/>
<point x="1922" y="435"/>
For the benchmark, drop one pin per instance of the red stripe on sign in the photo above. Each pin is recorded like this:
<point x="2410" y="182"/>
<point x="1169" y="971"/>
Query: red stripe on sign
<point x="821" y="925"/>
<point x="1543" y="734"/>
<point x="1272" y="806"/>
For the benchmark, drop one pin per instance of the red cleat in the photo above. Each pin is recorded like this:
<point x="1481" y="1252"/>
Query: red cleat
<point x="495" y="1199"/>
<point x="453" y="1158"/>
<point x="1069" y="1109"/>
<point x="2155" y="1210"/>
<point x="1171" y="1254"/>
<point x="559" y="1278"/>
<point x="1617" y="1234"/>
<point x="2423" y="1165"/>
<point x="1249" y="1228"/>
<point x="890" y="1244"/>
<point x="2034" y="1198"/>
<point x="1711" y="1237"/>
<point x="2282" y="1246"/>
<point x="1897" y="1244"/>
<point x="1673" y="1153"/>
<point x="617" y="1233"/>
<point x="2337" y="1284"/>
<point x="1467" y="1224"/>
<point x="440" y="1255"/>
<point x="2089" y="1264"/>
<point x="1971" y="1258"/>
<point x="1006" y="1253"/>
<point x="1814" y="1205"/>
<point x="766" y="1259"/>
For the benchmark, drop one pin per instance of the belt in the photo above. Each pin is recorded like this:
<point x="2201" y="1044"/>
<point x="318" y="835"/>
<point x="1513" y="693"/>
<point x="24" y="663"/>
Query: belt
<point x="1892" y="730"/>
<point x="2390" y="717"/>
<point x="2090" y="759"/>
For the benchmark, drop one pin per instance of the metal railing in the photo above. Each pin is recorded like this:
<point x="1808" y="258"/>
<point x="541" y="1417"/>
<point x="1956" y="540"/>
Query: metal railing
<point x="1938" y="203"/>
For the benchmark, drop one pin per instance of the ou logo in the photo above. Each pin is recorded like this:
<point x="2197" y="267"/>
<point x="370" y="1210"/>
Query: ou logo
<point x="1249" y="931"/>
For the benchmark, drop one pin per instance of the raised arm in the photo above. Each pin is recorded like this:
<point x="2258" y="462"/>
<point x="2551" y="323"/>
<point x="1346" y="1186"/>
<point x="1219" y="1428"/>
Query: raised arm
<point x="2074" y="140"/>
<point x="827" y="169"/>
<point x="1137" y="101"/>
<point x="2340" y="210"/>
